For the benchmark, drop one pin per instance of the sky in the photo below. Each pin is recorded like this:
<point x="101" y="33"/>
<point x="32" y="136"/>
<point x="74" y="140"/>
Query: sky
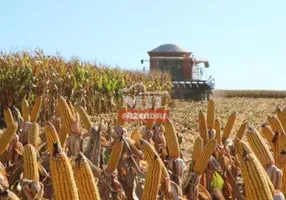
<point x="244" y="41"/>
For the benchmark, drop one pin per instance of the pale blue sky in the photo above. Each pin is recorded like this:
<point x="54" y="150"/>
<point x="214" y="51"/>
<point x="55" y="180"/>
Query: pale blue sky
<point x="245" y="41"/>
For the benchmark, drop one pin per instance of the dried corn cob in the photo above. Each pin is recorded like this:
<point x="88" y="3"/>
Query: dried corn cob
<point x="115" y="156"/>
<point x="171" y="139"/>
<point x="241" y="131"/>
<point x="255" y="180"/>
<point x="203" y="160"/>
<point x="275" y="124"/>
<point x="152" y="182"/>
<point x="34" y="135"/>
<point x="241" y="147"/>
<point x="84" y="117"/>
<point x="259" y="148"/>
<point x="211" y="115"/>
<point x="197" y="149"/>
<point x="66" y="114"/>
<point x="149" y="153"/>
<point x="8" y="117"/>
<point x="31" y="171"/>
<point x="36" y="109"/>
<point x="7" y="136"/>
<point x="26" y="110"/>
<point x="51" y="136"/>
<point x="136" y="136"/>
<point x="62" y="134"/>
<point x="268" y="134"/>
<point x="218" y="132"/>
<point x="62" y="175"/>
<point x="203" y="127"/>
<point x="281" y="114"/>
<point x="71" y="107"/>
<point x="85" y="181"/>
<point x="228" y="127"/>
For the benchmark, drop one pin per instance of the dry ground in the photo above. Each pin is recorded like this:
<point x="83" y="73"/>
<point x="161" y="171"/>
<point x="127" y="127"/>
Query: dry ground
<point x="255" y="111"/>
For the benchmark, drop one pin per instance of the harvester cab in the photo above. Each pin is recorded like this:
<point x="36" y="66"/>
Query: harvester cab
<point x="187" y="72"/>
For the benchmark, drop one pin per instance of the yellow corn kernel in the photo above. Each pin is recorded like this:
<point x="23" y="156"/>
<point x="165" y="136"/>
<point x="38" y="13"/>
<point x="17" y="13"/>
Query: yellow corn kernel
<point x="34" y="135"/>
<point x="85" y="181"/>
<point x="211" y="115"/>
<point x="67" y="116"/>
<point x="84" y="117"/>
<point x="203" y="160"/>
<point x="218" y="132"/>
<point x="8" y="117"/>
<point x="255" y="179"/>
<point x="197" y="149"/>
<point x="228" y="127"/>
<point x="62" y="175"/>
<point x="241" y="147"/>
<point x="115" y="155"/>
<point x="36" y="109"/>
<point x="203" y="127"/>
<point x="26" y="110"/>
<point x="171" y="139"/>
<point x="259" y="148"/>
<point x="152" y="181"/>
<point x="51" y="136"/>
<point x="31" y="171"/>
<point x="7" y="136"/>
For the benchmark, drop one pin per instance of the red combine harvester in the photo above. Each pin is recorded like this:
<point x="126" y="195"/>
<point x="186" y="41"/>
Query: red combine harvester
<point x="185" y="71"/>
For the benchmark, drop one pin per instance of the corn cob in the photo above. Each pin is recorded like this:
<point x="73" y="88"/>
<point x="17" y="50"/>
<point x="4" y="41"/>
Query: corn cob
<point x="152" y="181"/>
<point x="51" y="136"/>
<point x="268" y="134"/>
<point x="34" y="135"/>
<point x="275" y="124"/>
<point x="241" y="147"/>
<point x="66" y="114"/>
<point x="203" y="160"/>
<point x="71" y="107"/>
<point x="30" y="163"/>
<point x="197" y="149"/>
<point x="259" y="148"/>
<point x="281" y="114"/>
<point x="85" y="181"/>
<point x="211" y="115"/>
<point x="36" y="109"/>
<point x="149" y="125"/>
<point x="149" y="153"/>
<point x="228" y="127"/>
<point x="115" y="156"/>
<point x="6" y="194"/>
<point x="136" y="136"/>
<point x="7" y="136"/>
<point x="62" y="175"/>
<point x="84" y="117"/>
<point x="171" y="139"/>
<point x="241" y="131"/>
<point x="218" y="132"/>
<point x="203" y="127"/>
<point x="26" y="110"/>
<point x="62" y="134"/>
<point x="254" y="176"/>
<point x="8" y="117"/>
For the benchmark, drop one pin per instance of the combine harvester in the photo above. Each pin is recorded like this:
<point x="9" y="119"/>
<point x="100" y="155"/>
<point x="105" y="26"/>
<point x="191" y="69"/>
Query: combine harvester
<point x="185" y="71"/>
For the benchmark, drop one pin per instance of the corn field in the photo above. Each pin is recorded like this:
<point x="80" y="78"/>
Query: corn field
<point x="96" y="87"/>
<point x="73" y="157"/>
